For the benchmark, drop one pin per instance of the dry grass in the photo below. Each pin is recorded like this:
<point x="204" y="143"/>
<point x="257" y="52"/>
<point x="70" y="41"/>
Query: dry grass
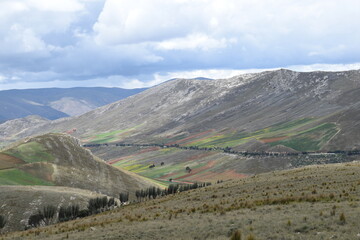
<point x="318" y="202"/>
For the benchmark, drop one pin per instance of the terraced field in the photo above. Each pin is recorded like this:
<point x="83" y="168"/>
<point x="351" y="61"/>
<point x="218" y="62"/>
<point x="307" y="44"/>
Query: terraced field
<point x="172" y="164"/>
<point x="307" y="134"/>
<point x="12" y="160"/>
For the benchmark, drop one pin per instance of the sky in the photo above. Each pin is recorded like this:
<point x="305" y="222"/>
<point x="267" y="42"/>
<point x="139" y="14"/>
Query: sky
<point x="141" y="43"/>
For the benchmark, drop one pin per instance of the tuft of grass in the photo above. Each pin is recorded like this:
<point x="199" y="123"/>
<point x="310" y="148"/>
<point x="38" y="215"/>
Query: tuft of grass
<point x="342" y="218"/>
<point x="236" y="235"/>
<point x="250" y="237"/>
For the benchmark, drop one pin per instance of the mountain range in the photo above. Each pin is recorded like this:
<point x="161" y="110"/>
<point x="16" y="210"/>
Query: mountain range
<point x="307" y="111"/>
<point x="187" y="131"/>
<point x="54" y="103"/>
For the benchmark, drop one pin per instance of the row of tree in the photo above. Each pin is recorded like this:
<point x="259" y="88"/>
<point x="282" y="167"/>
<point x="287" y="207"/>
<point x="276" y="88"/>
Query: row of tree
<point x="49" y="214"/>
<point x="153" y="192"/>
<point x="225" y="149"/>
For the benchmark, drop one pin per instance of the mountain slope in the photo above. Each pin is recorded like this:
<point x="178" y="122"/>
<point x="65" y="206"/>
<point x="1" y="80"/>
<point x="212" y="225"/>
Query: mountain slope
<point x="18" y="203"/>
<point x="317" y="202"/>
<point x="302" y="111"/>
<point x="58" y="159"/>
<point x="53" y="103"/>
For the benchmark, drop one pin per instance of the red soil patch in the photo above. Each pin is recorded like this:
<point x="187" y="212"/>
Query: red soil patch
<point x="270" y="140"/>
<point x="7" y="161"/>
<point x="191" y="137"/>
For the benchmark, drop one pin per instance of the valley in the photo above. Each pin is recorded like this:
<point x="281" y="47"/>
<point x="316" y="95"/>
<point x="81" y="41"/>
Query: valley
<point x="272" y="144"/>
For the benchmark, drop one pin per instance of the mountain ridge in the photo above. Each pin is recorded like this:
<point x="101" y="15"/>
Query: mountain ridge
<point x="241" y="104"/>
<point x="54" y="103"/>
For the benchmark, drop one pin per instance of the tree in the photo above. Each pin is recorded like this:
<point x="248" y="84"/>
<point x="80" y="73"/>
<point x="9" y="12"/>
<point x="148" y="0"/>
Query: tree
<point x="68" y="213"/>
<point x="36" y="220"/>
<point x="3" y="221"/>
<point x="124" y="197"/>
<point x="48" y="214"/>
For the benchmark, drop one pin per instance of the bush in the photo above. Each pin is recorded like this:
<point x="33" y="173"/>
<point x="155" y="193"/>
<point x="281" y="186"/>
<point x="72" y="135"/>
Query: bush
<point x="236" y="235"/>
<point x="44" y="217"/>
<point x="36" y="220"/>
<point x="342" y="218"/>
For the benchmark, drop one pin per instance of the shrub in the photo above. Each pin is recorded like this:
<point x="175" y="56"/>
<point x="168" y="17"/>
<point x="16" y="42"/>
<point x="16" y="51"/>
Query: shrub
<point x="236" y="235"/>
<point x="250" y="237"/>
<point x="342" y="218"/>
<point x="36" y="220"/>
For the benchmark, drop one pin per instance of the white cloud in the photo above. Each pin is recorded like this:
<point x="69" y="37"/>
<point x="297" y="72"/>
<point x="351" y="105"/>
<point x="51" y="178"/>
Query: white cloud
<point x="142" y="42"/>
<point x="194" y="41"/>
<point x="56" y="5"/>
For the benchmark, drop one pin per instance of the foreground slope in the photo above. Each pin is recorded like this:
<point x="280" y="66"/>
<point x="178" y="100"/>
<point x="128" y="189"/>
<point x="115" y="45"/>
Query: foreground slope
<point x="301" y="111"/>
<point x="317" y="202"/>
<point x="18" y="203"/>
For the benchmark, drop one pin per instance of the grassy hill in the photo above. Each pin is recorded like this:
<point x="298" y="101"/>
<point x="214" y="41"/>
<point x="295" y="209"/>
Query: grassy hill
<point x="58" y="159"/>
<point x="315" y="202"/>
<point x="51" y="169"/>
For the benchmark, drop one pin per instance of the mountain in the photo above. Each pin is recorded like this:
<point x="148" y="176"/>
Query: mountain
<point x="278" y="111"/>
<point x="54" y="103"/>
<point x="317" y="202"/>
<point x="304" y="111"/>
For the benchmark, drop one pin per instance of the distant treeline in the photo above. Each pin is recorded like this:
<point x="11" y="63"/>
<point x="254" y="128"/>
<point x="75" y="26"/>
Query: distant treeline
<point x="225" y="149"/>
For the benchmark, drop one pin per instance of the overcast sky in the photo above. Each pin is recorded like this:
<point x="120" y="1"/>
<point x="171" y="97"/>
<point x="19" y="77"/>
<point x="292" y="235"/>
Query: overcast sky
<point x="139" y="43"/>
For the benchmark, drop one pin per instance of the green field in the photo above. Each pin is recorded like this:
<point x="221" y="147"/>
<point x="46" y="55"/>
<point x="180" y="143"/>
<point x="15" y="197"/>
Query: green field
<point x="18" y="177"/>
<point x="31" y="152"/>
<point x="310" y="139"/>
<point x="112" y="136"/>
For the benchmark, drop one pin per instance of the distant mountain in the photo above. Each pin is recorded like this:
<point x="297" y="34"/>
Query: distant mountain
<point x="307" y="111"/>
<point x="54" y="103"/>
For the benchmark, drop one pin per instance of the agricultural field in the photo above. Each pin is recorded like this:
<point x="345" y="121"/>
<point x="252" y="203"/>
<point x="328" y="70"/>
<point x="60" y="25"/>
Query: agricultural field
<point x="18" y="177"/>
<point x="301" y="135"/>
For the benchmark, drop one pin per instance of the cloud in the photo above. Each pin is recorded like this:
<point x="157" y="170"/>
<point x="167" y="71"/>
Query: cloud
<point x="137" y="42"/>
<point x="194" y="41"/>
